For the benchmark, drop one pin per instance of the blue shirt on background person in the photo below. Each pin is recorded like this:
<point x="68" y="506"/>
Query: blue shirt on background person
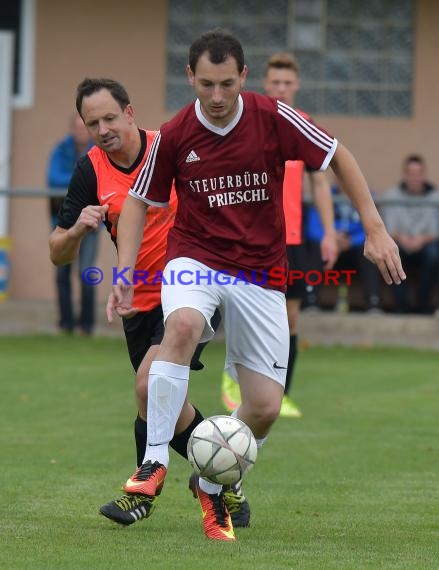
<point x="346" y="220"/>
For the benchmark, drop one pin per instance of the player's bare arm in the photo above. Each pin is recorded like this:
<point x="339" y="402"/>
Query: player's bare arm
<point x="129" y="237"/>
<point x="64" y="244"/>
<point x="322" y="197"/>
<point x="379" y="247"/>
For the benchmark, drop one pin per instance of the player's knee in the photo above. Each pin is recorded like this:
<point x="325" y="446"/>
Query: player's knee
<point x="182" y="329"/>
<point x="271" y="412"/>
<point x="266" y="413"/>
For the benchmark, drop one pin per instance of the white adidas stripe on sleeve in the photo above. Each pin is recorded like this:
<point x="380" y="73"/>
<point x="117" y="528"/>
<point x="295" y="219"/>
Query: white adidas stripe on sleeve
<point x="143" y="180"/>
<point x="310" y="131"/>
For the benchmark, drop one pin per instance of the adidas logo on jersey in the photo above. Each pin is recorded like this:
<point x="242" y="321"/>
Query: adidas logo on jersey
<point x="192" y="157"/>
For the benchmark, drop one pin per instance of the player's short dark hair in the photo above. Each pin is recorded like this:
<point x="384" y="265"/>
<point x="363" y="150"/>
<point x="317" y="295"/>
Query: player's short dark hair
<point x="282" y="60"/>
<point x="219" y="45"/>
<point x="92" y="85"/>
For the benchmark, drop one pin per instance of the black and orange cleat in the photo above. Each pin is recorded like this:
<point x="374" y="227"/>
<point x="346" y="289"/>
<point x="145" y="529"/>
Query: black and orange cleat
<point x="217" y="523"/>
<point x="236" y="503"/>
<point x="147" y="480"/>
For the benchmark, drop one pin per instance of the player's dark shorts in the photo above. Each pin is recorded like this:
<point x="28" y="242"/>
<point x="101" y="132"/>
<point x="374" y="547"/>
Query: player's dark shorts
<point x="296" y="255"/>
<point x="146" y="329"/>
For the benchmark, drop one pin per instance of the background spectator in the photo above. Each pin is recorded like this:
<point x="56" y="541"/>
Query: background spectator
<point x="414" y="225"/>
<point x="60" y="168"/>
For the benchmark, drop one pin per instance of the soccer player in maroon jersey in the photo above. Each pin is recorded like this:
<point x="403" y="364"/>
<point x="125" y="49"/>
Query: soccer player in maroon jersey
<point x="282" y="81"/>
<point x="227" y="153"/>
<point x="96" y="193"/>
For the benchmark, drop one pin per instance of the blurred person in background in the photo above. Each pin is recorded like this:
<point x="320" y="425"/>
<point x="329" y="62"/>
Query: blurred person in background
<point x="63" y="159"/>
<point x="414" y="225"/>
<point x="350" y="242"/>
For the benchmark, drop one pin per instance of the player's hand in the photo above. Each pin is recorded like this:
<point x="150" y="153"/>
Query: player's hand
<point x="120" y="301"/>
<point x="329" y="250"/>
<point x="382" y="250"/>
<point x="91" y="218"/>
<point x="110" y="309"/>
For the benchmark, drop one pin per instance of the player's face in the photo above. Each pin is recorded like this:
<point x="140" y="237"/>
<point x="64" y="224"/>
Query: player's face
<point x="217" y="86"/>
<point x="108" y="125"/>
<point x="282" y="84"/>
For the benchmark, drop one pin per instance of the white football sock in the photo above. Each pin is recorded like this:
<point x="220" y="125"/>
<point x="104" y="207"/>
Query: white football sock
<point x="208" y="487"/>
<point x="260" y="442"/>
<point x="167" y="388"/>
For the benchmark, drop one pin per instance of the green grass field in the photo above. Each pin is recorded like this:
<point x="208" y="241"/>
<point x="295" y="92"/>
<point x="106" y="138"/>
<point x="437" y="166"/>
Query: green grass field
<point x="354" y="484"/>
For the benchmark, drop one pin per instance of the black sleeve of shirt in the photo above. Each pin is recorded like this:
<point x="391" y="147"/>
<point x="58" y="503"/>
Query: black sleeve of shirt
<point x="82" y="192"/>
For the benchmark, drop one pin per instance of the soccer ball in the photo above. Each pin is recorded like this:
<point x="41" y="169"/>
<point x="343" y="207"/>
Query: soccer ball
<point x="222" y="449"/>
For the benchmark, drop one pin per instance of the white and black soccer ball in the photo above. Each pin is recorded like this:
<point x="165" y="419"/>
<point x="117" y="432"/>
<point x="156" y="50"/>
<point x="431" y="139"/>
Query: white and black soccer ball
<point x="222" y="449"/>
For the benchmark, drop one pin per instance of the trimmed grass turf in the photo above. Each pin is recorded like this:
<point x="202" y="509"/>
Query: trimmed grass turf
<point x="354" y="484"/>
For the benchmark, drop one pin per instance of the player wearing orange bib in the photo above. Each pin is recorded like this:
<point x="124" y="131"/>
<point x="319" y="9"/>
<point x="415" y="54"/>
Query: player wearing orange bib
<point x="111" y="189"/>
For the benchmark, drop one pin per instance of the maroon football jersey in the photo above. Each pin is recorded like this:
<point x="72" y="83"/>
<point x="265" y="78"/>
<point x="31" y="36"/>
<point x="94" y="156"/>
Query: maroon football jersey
<point x="229" y="183"/>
